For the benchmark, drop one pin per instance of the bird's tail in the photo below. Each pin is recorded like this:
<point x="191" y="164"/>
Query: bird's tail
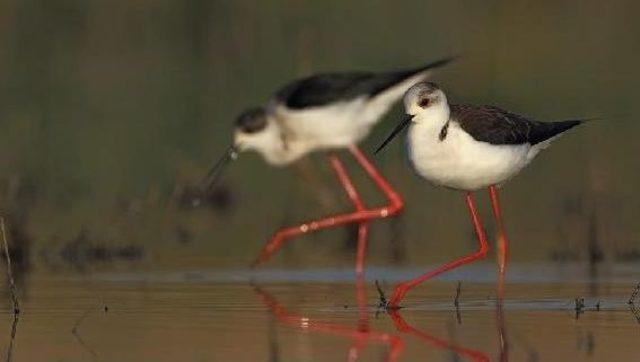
<point x="393" y="84"/>
<point x="387" y="88"/>
<point x="407" y="73"/>
<point x="545" y="131"/>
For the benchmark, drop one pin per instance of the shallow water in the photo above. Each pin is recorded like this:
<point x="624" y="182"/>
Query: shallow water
<point x="111" y="112"/>
<point x="316" y="315"/>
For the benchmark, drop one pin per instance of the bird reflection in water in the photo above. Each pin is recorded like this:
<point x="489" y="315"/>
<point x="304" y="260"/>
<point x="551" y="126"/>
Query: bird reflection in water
<point x="360" y="335"/>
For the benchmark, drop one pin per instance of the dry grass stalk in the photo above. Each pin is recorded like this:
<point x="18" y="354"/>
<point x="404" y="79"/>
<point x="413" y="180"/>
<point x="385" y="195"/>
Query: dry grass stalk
<point x="12" y="285"/>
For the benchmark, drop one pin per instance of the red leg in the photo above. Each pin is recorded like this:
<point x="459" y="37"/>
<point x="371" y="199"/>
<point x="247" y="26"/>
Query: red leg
<point x="361" y="214"/>
<point x="363" y="233"/>
<point x="503" y="242"/>
<point x="356" y="200"/>
<point x="346" y="182"/>
<point x="503" y="258"/>
<point x="404" y="287"/>
<point x="395" y="201"/>
<point x="282" y="235"/>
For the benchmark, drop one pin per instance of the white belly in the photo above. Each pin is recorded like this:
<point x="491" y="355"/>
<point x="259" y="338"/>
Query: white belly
<point x="461" y="162"/>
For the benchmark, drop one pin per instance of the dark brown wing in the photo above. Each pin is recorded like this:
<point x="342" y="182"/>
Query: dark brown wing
<point x="499" y="127"/>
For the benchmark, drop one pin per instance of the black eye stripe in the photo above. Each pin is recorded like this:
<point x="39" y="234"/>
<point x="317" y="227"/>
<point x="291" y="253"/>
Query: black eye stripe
<point x="251" y="121"/>
<point x="253" y="127"/>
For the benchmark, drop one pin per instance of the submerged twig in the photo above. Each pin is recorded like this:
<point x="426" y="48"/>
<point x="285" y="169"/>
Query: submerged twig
<point x="579" y="307"/>
<point x="456" y="300"/>
<point x="12" y="284"/>
<point x="383" y="303"/>
<point x="14" y="329"/>
<point x="74" y="331"/>
<point x="632" y="306"/>
<point x="456" y="303"/>
<point x="635" y="311"/>
<point x="634" y="294"/>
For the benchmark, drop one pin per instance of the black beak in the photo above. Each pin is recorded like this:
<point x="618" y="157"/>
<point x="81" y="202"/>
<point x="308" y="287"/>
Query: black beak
<point x="214" y="174"/>
<point x="403" y="124"/>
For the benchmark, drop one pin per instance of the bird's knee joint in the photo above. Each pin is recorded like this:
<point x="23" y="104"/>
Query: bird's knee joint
<point x="483" y="251"/>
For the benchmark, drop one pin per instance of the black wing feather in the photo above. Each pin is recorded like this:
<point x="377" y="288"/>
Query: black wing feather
<point x="499" y="127"/>
<point x="321" y="89"/>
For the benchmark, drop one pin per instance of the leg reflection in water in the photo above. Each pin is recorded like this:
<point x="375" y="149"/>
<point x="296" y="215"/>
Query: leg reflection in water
<point x="404" y="327"/>
<point x="503" y="343"/>
<point x="360" y="335"/>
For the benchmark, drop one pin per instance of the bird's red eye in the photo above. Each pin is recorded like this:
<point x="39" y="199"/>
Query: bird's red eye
<point x="424" y="102"/>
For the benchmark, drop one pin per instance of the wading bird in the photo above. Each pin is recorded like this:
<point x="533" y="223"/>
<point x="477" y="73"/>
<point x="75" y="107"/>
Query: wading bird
<point x="467" y="148"/>
<point x="324" y="112"/>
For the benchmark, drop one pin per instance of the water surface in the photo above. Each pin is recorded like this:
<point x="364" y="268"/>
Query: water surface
<point x="316" y="315"/>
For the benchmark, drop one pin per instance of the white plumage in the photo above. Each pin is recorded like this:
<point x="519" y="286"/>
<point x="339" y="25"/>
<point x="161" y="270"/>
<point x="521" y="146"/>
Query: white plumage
<point x="458" y="160"/>
<point x="291" y="133"/>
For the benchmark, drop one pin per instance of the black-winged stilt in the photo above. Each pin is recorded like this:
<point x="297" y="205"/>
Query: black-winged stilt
<point x="467" y="148"/>
<point x="324" y="112"/>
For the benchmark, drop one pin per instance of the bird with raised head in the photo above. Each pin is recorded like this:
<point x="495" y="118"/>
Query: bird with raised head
<point x="467" y="147"/>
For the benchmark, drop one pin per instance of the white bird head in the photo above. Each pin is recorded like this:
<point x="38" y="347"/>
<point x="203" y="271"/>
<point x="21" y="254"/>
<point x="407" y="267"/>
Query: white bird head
<point x="423" y="102"/>
<point x="424" y="98"/>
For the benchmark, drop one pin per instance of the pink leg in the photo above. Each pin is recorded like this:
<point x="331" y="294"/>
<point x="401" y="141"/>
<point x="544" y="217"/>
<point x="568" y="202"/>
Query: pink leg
<point x="361" y="214"/>
<point x="503" y="242"/>
<point x="404" y="287"/>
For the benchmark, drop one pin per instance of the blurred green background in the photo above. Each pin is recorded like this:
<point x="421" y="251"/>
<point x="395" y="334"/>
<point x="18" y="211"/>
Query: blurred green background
<point x="111" y="110"/>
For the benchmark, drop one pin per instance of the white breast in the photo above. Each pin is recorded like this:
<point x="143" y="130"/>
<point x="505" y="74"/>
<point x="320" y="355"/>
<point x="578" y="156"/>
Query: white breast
<point x="459" y="161"/>
<point x="337" y="125"/>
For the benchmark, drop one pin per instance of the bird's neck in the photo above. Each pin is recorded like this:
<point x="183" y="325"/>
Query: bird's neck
<point x="277" y="148"/>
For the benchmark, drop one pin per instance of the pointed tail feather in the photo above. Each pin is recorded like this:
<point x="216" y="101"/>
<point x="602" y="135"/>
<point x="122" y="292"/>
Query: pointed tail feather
<point x="543" y="131"/>
<point x="385" y="81"/>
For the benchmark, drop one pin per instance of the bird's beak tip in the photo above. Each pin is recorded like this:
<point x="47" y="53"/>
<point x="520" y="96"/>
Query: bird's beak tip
<point x="215" y="172"/>
<point x="404" y="123"/>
